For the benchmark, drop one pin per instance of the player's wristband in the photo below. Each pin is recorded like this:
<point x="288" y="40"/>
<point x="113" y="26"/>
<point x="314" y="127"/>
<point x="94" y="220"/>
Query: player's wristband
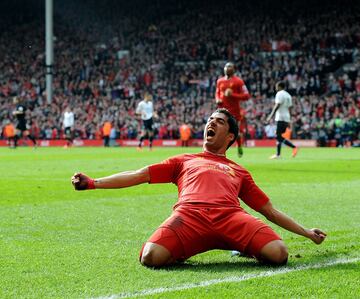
<point x="91" y="184"/>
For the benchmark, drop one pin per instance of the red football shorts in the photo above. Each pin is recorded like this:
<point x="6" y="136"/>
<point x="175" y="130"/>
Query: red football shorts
<point x="189" y="231"/>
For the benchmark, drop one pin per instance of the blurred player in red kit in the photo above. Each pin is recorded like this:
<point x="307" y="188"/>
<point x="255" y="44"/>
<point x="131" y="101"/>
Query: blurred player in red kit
<point x="208" y="214"/>
<point x="230" y="91"/>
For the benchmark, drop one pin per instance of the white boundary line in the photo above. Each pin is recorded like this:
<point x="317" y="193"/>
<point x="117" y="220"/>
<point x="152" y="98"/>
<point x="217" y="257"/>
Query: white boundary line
<point x="231" y="279"/>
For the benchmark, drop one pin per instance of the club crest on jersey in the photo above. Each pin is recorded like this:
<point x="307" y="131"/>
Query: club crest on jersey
<point x="222" y="168"/>
<point x="226" y="169"/>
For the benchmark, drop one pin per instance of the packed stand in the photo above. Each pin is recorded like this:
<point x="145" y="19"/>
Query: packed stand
<point x="105" y="59"/>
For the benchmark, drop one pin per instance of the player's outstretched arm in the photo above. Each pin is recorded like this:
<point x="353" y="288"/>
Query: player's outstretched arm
<point x="281" y="219"/>
<point x="124" y="179"/>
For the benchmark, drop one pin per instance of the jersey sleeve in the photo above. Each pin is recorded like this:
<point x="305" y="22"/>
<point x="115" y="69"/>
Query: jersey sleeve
<point x="251" y="194"/>
<point x="242" y="93"/>
<point x="166" y="171"/>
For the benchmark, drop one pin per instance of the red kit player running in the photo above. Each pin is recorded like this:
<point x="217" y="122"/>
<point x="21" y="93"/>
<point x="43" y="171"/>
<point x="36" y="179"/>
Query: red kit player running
<point x="208" y="214"/>
<point x="230" y="91"/>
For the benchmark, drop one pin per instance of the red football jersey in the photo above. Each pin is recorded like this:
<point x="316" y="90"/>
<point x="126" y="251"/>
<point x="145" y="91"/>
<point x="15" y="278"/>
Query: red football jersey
<point x="239" y="93"/>
<point x="208" y="180"/>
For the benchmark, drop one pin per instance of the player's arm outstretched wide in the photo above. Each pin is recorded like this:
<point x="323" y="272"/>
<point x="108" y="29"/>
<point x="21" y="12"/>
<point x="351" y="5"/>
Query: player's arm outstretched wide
<point x="124" y="179"/>
<point x="281" y="219"/>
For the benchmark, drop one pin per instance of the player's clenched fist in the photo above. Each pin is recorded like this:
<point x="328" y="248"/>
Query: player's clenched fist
<point x="81" y="181"/>
<point x="316" y="235"/>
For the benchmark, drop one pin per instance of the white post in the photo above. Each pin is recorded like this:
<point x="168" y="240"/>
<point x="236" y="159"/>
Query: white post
<point x="49" y="41"/>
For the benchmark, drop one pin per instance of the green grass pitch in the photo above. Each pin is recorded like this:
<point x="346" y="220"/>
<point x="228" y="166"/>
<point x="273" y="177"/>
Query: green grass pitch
<point x="58" y="243"/>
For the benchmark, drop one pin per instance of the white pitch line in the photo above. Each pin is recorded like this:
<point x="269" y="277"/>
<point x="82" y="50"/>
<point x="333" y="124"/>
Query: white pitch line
<point x="230" y="279"/>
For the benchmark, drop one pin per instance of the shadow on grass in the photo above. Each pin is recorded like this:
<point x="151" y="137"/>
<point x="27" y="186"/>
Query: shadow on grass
<point x="237" y="265"/>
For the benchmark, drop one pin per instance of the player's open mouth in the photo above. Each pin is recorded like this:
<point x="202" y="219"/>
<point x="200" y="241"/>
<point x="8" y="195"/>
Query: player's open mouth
<point x="210" y="132"/>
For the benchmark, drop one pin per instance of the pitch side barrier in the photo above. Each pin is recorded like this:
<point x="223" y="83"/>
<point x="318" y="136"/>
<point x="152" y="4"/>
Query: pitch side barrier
<point x="158" y="142"/>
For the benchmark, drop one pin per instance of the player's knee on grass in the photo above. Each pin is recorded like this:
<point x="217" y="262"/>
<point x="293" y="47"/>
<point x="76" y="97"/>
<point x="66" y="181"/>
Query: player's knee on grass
<point x="275" y="253"/>
<point x="154" y="255"/>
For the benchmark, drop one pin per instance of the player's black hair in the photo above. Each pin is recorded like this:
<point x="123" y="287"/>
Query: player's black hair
<point x="233" y="124"/>
<point x="281" y="84"/>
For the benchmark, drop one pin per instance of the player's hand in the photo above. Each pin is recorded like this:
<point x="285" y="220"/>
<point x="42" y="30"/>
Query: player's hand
<point x="316" y="235"/>
<point x="81" y="181"/>
<point x="228" y="92"/>
<point x="218" y="101"/>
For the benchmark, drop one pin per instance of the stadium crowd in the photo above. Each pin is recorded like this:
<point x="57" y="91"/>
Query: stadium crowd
<point x="105" y="59"/>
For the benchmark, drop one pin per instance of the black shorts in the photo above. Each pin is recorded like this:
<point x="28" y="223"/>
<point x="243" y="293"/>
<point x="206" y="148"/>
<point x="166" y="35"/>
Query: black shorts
<point x="68" y="132"/>
<point x="21" y="125"/>
<point x="147" y="124"/>
<point x="281" y="127"/>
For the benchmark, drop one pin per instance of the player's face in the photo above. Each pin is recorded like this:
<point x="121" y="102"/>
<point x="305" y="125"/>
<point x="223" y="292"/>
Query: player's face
<point x="216" y="133"/>
<point x="229" y="69"/>
<point x="147" y="98"/>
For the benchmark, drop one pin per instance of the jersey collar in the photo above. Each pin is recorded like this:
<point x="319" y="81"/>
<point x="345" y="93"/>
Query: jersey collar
<point x="219" y="155"/>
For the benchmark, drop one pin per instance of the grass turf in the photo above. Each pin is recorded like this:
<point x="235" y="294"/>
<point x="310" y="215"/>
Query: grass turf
<point x="58" y="243"/>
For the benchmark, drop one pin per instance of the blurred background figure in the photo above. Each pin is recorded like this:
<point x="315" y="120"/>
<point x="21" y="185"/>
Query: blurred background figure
<point x="9" y="133"/>
<point x="68" y="125"/>
<point x="185" y="134"/>
<point x="270" y="130"/>
<point x="283" y="104"/>
<point x="230" y="92"/>
<point x="21" y="127"/>
<point x="113" y="136"/>
<point x="146" y="109"/>
<point x="106" y="130"/>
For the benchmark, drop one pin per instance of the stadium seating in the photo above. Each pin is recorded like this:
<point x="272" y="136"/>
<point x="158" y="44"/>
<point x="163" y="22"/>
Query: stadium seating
<point x="105" y="58"/>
